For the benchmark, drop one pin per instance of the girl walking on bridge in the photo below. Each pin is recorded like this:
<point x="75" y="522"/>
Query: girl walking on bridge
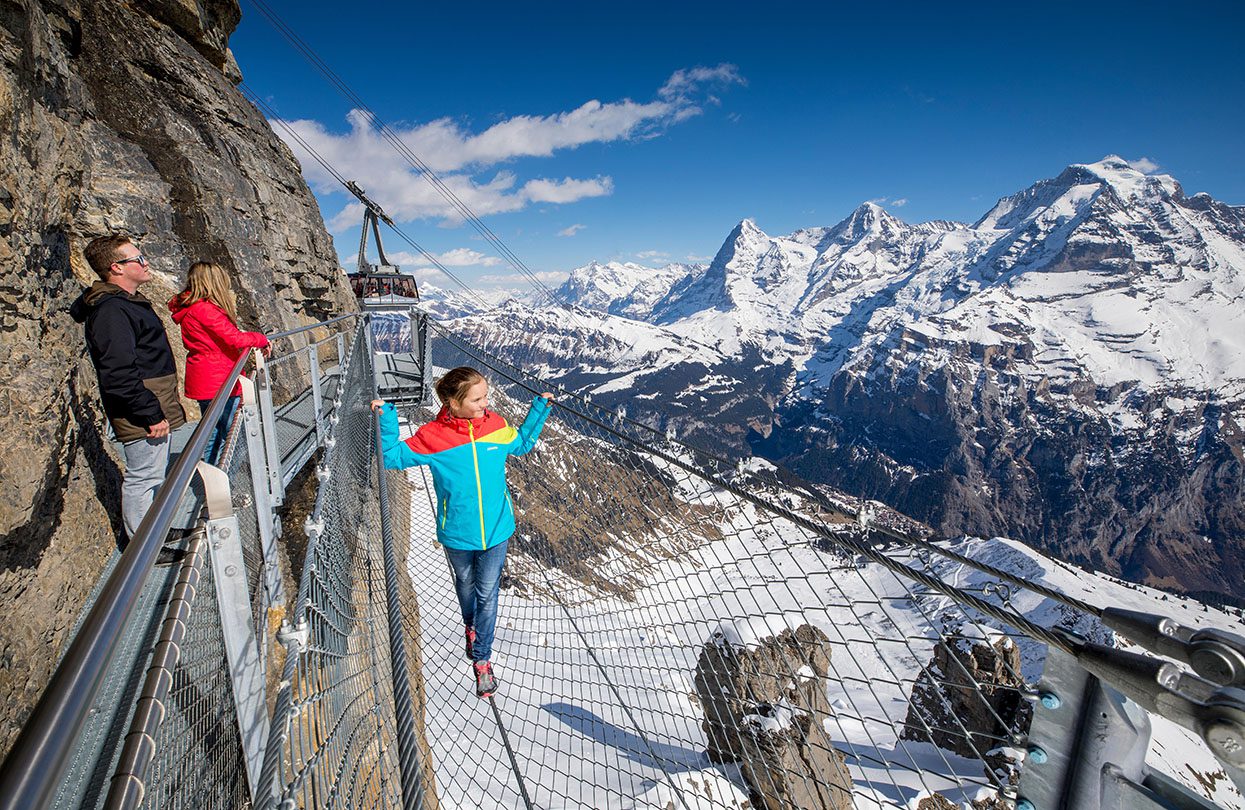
<point x="466" y="447"/>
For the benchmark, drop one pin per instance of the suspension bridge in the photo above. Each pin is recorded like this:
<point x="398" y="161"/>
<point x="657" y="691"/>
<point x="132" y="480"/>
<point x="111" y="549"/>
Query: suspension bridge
<point x="675" y="631"/>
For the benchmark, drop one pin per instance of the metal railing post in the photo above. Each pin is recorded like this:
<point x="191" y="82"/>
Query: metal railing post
<point x="268" y="422"/>
<point x="317" y="398"/>
<point x="265" y="516"/>
<point x="246" y="663"/>
<point x="423" y="345"/>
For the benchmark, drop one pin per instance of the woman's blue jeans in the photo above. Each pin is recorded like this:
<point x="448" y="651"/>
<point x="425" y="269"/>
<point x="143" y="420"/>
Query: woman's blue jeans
<point x="217" y="443"/>
<point x="477" y="577"/>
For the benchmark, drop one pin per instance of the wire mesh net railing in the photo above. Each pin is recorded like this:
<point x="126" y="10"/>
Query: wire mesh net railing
<point x="198" y="759"/>
<point x="334" y="736"/>
<point x="666" y="638"/>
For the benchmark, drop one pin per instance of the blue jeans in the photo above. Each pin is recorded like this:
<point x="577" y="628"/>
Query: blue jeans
<point x="217" y="443"/>
<point x="477" y="577"/>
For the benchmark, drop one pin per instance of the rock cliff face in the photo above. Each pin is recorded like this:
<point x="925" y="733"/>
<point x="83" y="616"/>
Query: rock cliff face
<point x="117" y="116"/>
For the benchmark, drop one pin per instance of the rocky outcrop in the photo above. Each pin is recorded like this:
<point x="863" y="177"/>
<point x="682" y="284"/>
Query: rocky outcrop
<point x="937" y="801"/>
<point x="117" y="116"/>
<point x="764" y="704"/>
<point x="968" y="699"/>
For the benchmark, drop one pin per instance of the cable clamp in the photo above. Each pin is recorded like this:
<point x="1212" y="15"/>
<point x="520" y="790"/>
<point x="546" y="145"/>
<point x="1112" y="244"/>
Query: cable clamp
<point x="867" y="515"/>
<point x="313" y="527"/>
<point x="295" y="638"/>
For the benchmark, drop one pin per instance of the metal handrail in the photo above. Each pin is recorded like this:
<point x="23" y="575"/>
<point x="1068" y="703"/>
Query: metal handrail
<point x="36" y="764"/>
<point x="307" y="327"/>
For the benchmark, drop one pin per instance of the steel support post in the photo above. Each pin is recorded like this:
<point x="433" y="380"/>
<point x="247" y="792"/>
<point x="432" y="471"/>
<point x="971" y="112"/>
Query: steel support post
<point x="317" y="397"/>
<point x="423" y="349"/>
<point x="246" y="661"/>
<point x="265" y="515"/>
<point x="1087" y="748"/>
<point x="268" y="420"/>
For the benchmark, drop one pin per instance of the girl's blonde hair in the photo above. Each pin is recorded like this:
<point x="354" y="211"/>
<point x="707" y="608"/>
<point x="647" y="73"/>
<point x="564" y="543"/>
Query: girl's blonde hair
<point x="207" y="281"/>
<point x="455" y="383"/>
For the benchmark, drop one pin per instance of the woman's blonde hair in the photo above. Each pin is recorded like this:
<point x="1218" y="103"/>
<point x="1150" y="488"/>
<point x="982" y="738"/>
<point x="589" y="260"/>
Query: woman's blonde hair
<point x="207" y="281"/>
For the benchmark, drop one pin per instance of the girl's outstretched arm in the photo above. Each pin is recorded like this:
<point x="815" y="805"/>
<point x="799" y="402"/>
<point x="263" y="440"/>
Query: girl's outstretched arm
<point x="529" y="432"/>
<point x="396" y="453"/>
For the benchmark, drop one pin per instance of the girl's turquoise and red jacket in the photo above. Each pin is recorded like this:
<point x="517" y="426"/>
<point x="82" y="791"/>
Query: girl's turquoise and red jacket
<point x="468" y="461"/>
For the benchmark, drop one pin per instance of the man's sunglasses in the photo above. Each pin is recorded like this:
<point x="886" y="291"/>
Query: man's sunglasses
<point x="139" y="258"/>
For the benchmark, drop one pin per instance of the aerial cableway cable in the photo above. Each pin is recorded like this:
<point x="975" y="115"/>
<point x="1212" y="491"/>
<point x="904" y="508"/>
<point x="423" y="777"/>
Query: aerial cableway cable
<point x="417" y="163"/>
<point x="272" y="115"/>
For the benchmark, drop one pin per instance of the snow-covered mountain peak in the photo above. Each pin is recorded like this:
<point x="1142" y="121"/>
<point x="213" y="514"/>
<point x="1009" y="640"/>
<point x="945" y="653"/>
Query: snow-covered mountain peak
<point x="744" y="243"/>
<point x="1129" y="182"/>
<point x="868" y="218"/>
<point x="1073" y="193"/>
<point x="622" y="288"/>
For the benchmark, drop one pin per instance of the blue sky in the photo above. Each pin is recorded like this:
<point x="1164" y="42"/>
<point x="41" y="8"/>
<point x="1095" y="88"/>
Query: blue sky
<point x="645" y="131"/>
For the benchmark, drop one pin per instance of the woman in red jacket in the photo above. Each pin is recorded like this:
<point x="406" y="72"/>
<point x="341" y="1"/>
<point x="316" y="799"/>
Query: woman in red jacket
<point x="207" y="312"/>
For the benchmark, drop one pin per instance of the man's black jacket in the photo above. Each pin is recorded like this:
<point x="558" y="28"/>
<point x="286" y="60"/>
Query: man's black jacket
<point x="131" y="353"/>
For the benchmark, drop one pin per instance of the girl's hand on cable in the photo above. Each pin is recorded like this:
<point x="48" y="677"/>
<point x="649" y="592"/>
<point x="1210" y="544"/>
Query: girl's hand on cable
<point x="548" y="397"/>
<point x="376" y="405"/>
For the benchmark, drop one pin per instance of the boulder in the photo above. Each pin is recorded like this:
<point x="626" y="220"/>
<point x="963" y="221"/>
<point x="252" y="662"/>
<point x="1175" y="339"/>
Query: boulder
<point x="969" y="698"/>
<point x="765" y="706"/>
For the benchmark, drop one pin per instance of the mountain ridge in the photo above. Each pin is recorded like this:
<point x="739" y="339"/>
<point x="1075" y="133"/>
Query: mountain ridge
<point x="1073" y="374"/>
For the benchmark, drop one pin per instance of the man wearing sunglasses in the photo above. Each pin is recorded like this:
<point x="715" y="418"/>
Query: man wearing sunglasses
<point x="137" y="374"/>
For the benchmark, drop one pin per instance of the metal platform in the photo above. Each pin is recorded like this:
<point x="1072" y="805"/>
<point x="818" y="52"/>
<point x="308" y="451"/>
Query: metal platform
<point x="399" y="377"/>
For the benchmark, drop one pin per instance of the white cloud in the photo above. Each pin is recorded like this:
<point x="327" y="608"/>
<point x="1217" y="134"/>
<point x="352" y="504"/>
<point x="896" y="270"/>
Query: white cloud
<point x="684" y="82"/>
<point x="1144" y="165"/>
<point x="652" y="254"/>
<point x="459" y="156"/>
<point x="427" y="274"/>
<point x="411" y="262"/>
<point x="567" y="189"/>
<point x="900" y="203"/>
<point x="406" y="259"/>
<point x="571" y="230"/>
<point x="466" y="257"/>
